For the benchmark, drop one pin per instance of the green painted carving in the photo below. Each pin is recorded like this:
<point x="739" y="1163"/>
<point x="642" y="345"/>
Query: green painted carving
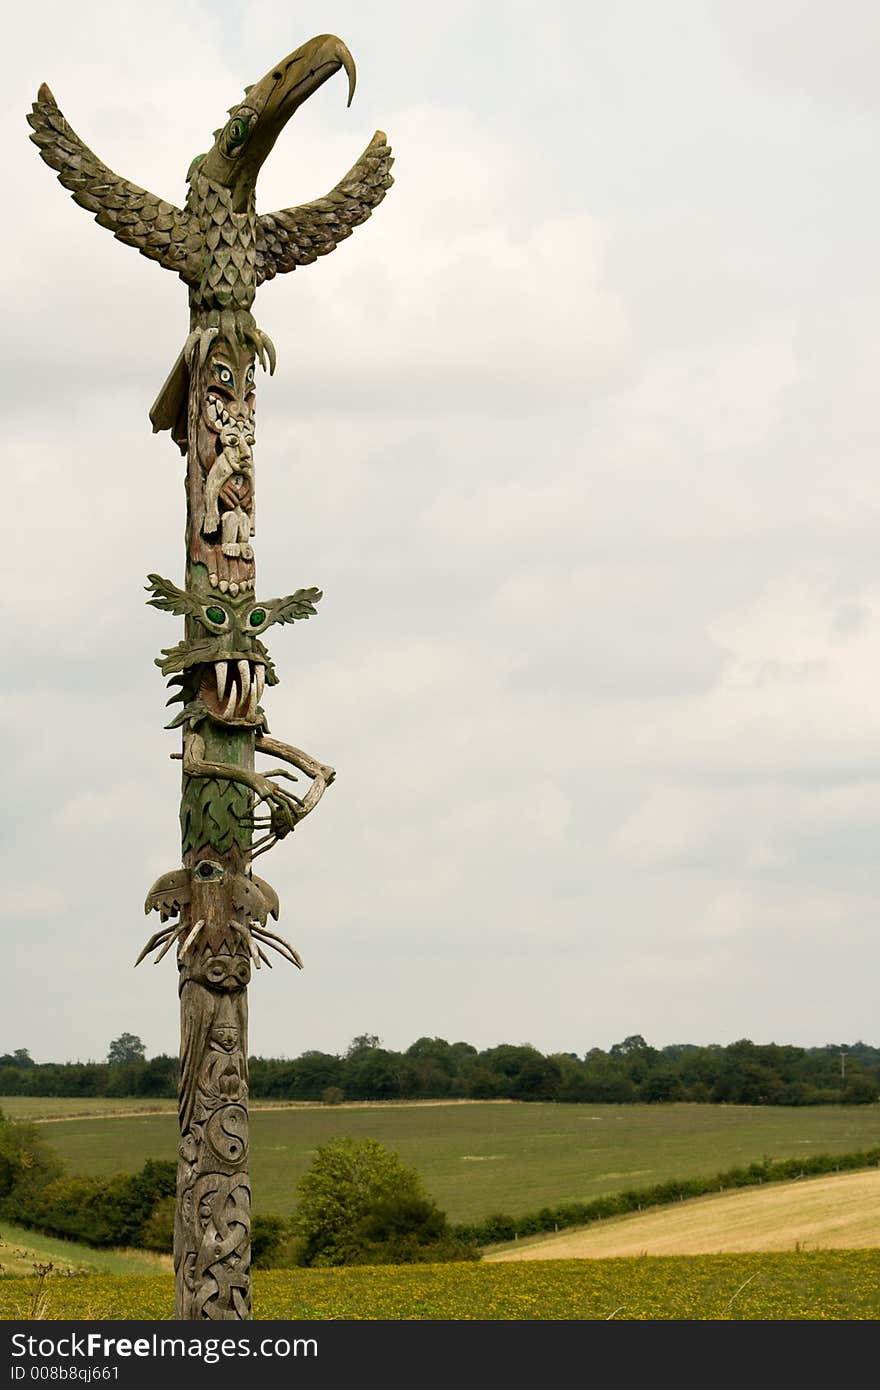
<point x="214" y="909"/>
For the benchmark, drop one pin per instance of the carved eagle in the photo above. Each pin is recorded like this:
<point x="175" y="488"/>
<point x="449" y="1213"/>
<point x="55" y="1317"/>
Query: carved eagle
<point x="217" y="243"/>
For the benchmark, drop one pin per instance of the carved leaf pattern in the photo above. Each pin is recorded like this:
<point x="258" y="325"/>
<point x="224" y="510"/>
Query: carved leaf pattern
<point x="209" y="814"/>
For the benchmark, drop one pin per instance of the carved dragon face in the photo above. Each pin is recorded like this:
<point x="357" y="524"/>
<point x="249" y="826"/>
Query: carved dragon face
<point x="222" y="664"/>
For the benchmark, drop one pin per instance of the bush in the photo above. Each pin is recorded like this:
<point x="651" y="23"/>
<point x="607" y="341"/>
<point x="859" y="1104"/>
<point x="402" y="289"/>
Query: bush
<point x="267" y="1234"/>
<point x="118" y="1210"/>
<point x="27" y="1164"/>
<point x="157" y="1232"/>
<point x="407" y="1229"/>
<point x="359" y="1204"/>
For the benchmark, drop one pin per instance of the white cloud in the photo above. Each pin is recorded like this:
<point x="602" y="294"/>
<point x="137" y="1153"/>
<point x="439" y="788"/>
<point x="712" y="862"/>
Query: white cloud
<point x="579" y="435"/>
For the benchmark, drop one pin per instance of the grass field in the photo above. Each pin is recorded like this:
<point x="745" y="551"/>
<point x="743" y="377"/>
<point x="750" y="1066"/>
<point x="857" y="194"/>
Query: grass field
<point x="41" y="1108"/>
<point x="814" y="1285"/>
<point x="482" y="1157"/>
<point x="20" y="1250"/>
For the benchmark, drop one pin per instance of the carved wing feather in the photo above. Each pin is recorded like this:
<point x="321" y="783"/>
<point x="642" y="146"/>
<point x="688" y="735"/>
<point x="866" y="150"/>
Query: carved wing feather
<point x="298" y="236"/>
<point x="159" y="230"/>
<point x="293" y="606"/>
<point x="169" y="894"/>
<point x="170" y="599"/>
<point x="269" y="895"/>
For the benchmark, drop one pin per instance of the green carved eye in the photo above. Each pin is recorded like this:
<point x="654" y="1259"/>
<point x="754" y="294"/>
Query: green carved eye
<point x="216" y="616"/>
<point x="224" y="374"/>
<point x="249" y="375"/>
<point x="258" y="617"/>
<point x="237" y="130"/>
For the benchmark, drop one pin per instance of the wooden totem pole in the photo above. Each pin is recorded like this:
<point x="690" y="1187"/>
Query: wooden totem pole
<point x="216" y="905"/>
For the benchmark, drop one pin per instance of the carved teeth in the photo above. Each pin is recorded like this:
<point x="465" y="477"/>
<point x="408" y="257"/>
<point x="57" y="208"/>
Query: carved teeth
<point x="233" y="588"/>
<point x="224" y="585"/>
<point x="244" y="675"/>
<point x="221" y="670"/>
<point x="259" y="680"/>
<point x="229" y="707"/>
<point x="252" y="703"/>
<point x="213" y="579"/>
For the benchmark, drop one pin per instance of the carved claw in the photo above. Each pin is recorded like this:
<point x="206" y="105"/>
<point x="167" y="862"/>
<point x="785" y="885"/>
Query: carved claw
<point x="248" y="940"/>
<point x="192" y="936"/>
<point x="178" y="932"/>
<point x="168" y="935"/>
<point x="155" y="940"/>
<point x="278" y="943"/>
<point x="282" y="806"/>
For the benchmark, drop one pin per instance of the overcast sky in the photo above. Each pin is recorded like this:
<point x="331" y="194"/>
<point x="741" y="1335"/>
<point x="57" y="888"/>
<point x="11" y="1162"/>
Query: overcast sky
<point x="579" y="435"/>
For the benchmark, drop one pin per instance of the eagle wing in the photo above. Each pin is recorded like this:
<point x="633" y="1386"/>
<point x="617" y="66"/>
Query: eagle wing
<point x="159" y="230"/>
<point x="298" y="236"/>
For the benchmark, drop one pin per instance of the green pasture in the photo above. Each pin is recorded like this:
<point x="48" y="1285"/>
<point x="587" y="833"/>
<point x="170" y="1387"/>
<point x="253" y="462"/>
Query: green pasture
<point x="486" y="1157"/>
<point x="812" y="1285"/>
<point x="20" y="1250"/>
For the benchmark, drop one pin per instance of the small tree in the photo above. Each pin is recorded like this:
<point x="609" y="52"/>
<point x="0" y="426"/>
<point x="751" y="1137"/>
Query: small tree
<point x="27" y="1163"/>
<point x="362" y="1042"/>
<point x="126" y="1048"/>
<point x="359" y="1202"/>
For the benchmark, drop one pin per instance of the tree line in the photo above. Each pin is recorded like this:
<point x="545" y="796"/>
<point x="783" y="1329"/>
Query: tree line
<point x="740" y="1073"/>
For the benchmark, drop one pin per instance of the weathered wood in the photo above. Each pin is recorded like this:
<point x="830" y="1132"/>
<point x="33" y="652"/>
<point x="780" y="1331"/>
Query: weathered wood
<point x="215" y="905"/>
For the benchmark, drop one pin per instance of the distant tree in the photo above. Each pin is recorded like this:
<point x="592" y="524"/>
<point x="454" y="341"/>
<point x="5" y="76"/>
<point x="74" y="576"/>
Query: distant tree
<point x="538" y="1079"/>
<point x="860" y="1091"/>
<point x="22" y="1058"/>
<point x="359" y="1203"/>
<point x="314" y="1072"/>
<point x="362" y="1042"/>
<point x="126" y="1048"/>
<point x="634" y="1043"/>
<point x="27" y="1162"/>
<point x="372" y="1074"/>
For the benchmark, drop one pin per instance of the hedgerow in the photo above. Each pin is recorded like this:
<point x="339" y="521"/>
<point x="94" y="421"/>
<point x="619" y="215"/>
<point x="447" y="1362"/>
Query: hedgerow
<point x="500" y="1227"/>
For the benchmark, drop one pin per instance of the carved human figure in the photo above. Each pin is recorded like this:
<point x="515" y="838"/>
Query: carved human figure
<point x="235" y="459"/>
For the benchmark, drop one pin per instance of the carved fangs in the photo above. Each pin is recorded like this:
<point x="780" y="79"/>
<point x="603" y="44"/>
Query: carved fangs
<point x="232" y="690"/>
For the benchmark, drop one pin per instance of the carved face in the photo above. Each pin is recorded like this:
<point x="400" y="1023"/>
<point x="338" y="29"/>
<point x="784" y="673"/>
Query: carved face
<point x="222" y="972"/>
<point x="229" y="664"/>
<point x="229" y="389"/>
<point x="225" y="1037"/>
<point x="232" y="684"/>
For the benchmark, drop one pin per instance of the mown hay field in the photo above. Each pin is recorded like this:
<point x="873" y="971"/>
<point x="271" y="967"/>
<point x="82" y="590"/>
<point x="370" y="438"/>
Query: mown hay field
<point x="480" y="1158"/>
<point x="813" y="1285"/>
<point x="840" y="1212"/>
